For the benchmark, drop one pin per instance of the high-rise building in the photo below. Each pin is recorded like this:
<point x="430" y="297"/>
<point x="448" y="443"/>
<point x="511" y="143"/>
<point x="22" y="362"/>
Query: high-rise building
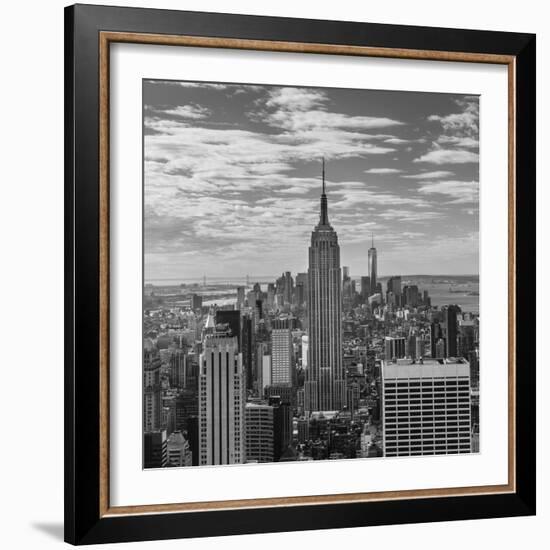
<point x="264" y="367"/>
<point x="282" y="425"/>
<point x="451" y="330"/>
<point x="305" y="348"/>
<point x="426" y="407"/>
<point x="410" y="295"/>
<point x="232" y="320"/>
<point x="240" y="297"/>
<point x="373" y="268"/>
<point x="324" y="385"/>
<point x="270" y="295"/>
<point x="300" y="291"/>
<point x="347" y="292"/>
<point x="365" y="287"/>
<point x="281" y="353"/>
<point x="196" y="302"/>
<point x="155" y="453"/>
<point x="178" y="364"/>
<point x="247" y="350"/>
<point x="394" y="287"/>
<point x="436" y="334"/>
<point x="288" y="288"/>
<point x="394" y="347"/>
<point x="221" y="401"/>
<point x="152" y="404"/>
<point x="258" y="432"/>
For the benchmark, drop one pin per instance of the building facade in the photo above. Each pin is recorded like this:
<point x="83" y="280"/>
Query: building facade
<point x="281" y="353"/>
<point x="426" y="407"/>
<point x="324" y="385"/>
<point x="221" y="401"/>
<point x="259" y="438"/>
<point x="373" y="269"/>
<point x="152" y="403"/>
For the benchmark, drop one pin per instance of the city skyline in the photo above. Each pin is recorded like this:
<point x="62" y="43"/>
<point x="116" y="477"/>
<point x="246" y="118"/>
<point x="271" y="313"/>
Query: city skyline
<point x="228" y="167"/>
<point x="309" y="364"/>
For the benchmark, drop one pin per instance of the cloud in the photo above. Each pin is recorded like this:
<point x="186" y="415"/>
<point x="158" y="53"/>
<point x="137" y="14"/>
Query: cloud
<point x="204" y="85"/>
<point x="410" y="215"/>
<point x="396" y="141"/>
<point x="459" y="141"/>
<point x="355" y="194"/>
<point x="459" y="191"/>
<point x="303" y="109"/>
<point x="295" y="99"/>
<point x="448" y="156"/>
<point x="224" y="172"/>
<point x="191" y="111"/>
<point x="383" y="171"/>
<point x="465" y="122"/>
<point x="430" y="175"/>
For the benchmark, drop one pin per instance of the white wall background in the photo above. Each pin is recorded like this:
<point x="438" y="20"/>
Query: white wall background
<point x="31" y="273"/>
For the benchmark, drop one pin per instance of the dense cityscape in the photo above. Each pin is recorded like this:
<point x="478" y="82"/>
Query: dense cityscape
<point x="316" y="365"/>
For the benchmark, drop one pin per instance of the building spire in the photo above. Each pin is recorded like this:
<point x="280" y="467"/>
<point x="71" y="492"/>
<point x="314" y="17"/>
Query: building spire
<point x="324" y="207"/>
<point x="372" y="239"/>
<point x="323" y="175"/>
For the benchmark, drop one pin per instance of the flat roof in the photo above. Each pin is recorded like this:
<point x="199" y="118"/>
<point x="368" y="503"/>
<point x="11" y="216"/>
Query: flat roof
<point x="430" y="368"/>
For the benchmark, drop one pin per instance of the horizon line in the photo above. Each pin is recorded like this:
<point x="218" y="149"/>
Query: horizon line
<point x="252" y="277"/>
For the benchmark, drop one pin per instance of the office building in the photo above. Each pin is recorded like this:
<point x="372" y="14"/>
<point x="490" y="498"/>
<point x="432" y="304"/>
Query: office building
<point x="394" y="291"/>
<point x="240" y="297"/>
<point x="324" y="385"/>
<point x="426" y="407"/>
<point x="258" y="432"/>
<point x="231" y="320"/>
<point x="282" y="365"/>
<point x="410" y="295"/>
<point x="196" y="302"/>
<point x="373" y="268"/>
<point x="300" y="291"/>
<point x="178" y="364"/>
<point x="450" y="321"/>
<point x="347" y="290"/>
<point x="282" y="424"/>
<point x="247" y="350"/>
<point x="221" y="401"/>
<point x="365" y="287"/>
<point x="394" y="347"/>
<point x="152" y="404"/>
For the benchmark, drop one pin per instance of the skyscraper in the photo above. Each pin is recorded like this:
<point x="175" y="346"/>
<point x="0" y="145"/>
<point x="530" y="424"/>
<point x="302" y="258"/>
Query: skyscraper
<point x="281" y="353"/>
<point x="324" y="385"/>
<point x="151" y="390"/>
<point x="394" y="287"/>
<point x="451" y="330"/>
<point x="426" y="407"/>
<point x="259" y="432"/>
<point x="373" y="268"/>
<point x="347" y="291"/>
<point x="221" y="402"/>
<point x="365" y="287"/>
<point x="232" y="319"/>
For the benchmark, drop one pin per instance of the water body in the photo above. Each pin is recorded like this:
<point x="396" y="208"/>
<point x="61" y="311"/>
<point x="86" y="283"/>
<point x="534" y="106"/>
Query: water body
<point x="442" y="291"/>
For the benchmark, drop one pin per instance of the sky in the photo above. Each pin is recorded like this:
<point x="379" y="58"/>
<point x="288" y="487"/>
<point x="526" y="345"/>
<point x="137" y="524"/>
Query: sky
<point x="232" y="178"/>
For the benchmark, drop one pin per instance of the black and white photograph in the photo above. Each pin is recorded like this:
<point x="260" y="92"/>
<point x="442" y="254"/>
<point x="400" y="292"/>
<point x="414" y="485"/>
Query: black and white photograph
<point x="311" y="273"/>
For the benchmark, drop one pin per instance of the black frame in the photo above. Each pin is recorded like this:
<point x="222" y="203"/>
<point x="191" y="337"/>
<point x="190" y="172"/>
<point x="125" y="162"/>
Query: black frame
<point x="83" y="524"/>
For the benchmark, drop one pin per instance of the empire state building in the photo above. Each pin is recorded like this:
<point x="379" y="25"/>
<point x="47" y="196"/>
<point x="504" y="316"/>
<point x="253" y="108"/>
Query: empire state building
<point x="324" y="384"/>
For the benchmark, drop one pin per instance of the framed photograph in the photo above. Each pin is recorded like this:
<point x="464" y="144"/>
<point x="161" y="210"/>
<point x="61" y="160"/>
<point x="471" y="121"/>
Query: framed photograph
<point x="300" y="274"/>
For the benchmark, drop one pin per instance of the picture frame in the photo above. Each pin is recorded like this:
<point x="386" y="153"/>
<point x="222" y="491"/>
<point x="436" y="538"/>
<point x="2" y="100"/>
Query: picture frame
<point x="90" y="31"/>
